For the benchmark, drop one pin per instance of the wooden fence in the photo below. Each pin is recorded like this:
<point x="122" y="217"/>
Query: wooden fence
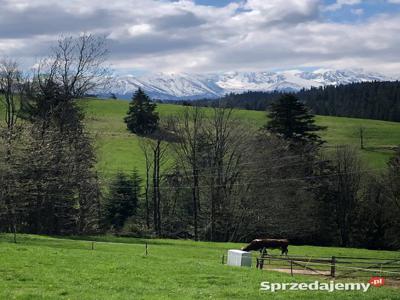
<point x="334" y="266"/>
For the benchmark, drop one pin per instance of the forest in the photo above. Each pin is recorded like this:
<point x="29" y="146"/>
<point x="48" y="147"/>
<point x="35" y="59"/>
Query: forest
<point x="369" y="100"/>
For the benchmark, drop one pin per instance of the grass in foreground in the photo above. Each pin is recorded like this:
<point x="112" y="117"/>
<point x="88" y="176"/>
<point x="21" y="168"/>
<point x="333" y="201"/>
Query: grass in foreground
<point x="41" y="267"/>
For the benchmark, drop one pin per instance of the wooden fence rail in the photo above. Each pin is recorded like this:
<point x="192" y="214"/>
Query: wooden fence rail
<point x="335" y="266"/>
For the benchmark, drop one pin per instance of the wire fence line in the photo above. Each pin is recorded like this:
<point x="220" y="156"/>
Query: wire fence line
<point x="331" y="265"/>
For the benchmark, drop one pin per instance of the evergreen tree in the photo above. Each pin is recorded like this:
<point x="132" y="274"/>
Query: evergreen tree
<point x="141" y="118"/>
<point x="123" y="199"/>
<point x="290" y="119"/>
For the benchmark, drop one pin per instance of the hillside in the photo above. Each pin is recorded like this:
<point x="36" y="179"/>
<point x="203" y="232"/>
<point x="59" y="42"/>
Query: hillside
<point x="119" y="150"/>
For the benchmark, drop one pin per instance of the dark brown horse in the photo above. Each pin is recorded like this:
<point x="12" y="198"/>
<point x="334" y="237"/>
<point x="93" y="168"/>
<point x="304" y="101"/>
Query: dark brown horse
<point x="263" y="244"/>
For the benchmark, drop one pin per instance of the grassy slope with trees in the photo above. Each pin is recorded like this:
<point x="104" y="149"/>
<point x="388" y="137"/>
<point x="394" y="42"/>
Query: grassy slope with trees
<point x="119" y="150"/>
<point x="40" y="267"/>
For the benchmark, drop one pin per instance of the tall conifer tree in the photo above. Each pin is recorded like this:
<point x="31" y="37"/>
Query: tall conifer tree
<point x="142" y="118"/>
<point x="291" y="120"/>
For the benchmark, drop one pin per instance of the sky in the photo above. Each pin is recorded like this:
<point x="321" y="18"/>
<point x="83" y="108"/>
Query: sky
<point x="206" y="36"/>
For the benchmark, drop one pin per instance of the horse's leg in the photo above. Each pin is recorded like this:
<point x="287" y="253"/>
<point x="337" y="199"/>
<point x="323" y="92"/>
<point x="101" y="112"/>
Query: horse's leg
<point x="263" y="251"/>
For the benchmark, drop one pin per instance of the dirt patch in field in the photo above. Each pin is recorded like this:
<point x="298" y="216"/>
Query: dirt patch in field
<point x="297" y="271"/>
<point x="393" y="282"/>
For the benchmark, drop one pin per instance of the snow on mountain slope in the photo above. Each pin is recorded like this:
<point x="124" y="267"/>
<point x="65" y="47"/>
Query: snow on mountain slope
<point x="264" y="81"/>
<point x="196" y="86"/>
<point x="168" y="86"/>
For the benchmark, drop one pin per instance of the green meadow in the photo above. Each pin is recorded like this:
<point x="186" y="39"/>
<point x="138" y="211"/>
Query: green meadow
<point x="119" y="150"/>
<point x="40" y="267"/>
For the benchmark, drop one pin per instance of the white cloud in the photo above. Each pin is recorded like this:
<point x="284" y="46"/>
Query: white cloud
<point x="176" y="36"/>
<point x="357" y="11"/>
<point x="139" y="29"/>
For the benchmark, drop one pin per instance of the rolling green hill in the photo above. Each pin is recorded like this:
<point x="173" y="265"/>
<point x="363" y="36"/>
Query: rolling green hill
<point x="119" y="150"/>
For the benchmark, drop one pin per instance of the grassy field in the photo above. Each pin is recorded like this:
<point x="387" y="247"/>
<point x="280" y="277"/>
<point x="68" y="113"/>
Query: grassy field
<point x="39" y="267"/>
<point x="119" y="150"/>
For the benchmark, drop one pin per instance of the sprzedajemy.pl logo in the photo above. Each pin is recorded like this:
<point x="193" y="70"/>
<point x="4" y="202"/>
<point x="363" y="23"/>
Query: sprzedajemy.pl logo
<point x="330" y="286"/>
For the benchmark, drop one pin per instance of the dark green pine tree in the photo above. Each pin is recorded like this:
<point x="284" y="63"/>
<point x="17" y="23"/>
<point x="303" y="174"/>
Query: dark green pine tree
<point x="290" y="119"/>
<point x="142" y="118"/>
<point x="123" y="199"/>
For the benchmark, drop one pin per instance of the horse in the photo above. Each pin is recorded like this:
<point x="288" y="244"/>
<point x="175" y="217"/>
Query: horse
<point x="263" y="244"/>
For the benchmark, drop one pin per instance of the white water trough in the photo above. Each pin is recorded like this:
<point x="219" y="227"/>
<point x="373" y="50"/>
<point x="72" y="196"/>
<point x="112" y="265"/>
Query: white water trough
<point x="239" y="258"/>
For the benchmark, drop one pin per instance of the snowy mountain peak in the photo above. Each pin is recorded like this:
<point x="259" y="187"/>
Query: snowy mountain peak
<point x="175" y="86"/>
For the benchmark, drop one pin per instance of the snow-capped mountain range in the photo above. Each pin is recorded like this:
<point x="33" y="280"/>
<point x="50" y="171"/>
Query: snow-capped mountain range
<point x="195" y="86"/>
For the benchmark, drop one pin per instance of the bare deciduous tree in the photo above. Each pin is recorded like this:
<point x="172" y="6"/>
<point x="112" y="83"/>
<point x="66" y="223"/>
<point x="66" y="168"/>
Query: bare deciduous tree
<point x="146" y="149"/>
<point x="190" y="132"/>
<point x="76" y="64"/>
<point x="393" y="181"/>
<point x="154" y="149"/>
<point x="348" y="180"/>
<point x="66" y="193"/>
<point x="10" y="87"/>
<point x="227" y="141"/>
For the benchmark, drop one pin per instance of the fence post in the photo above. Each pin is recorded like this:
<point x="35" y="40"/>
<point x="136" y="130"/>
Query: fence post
<point x="223" y="258"/>
<point x="92" y="245"/>
<point x="333" y="266"/>
<point x="291" y="267"/>
<point x="146" y="249"/>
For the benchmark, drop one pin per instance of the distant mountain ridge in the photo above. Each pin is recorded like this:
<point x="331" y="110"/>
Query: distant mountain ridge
<point x="185" y="86"/>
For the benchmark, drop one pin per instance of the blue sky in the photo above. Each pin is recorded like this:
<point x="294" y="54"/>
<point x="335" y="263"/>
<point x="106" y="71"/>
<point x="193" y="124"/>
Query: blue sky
<point x="202" y="36"/>
<point x="362" y="11"/>
<point x="347" y="13"/>
<point x="219" y="3"/>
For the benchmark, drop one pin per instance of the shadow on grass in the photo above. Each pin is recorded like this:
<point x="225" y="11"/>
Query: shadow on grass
<point x="381" y="149"/>
<point x="153" y="241"/>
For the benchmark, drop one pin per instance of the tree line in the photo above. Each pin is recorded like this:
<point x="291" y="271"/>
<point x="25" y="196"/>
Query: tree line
<point x="211" y="177"/>
<point x="370" y="100"/>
